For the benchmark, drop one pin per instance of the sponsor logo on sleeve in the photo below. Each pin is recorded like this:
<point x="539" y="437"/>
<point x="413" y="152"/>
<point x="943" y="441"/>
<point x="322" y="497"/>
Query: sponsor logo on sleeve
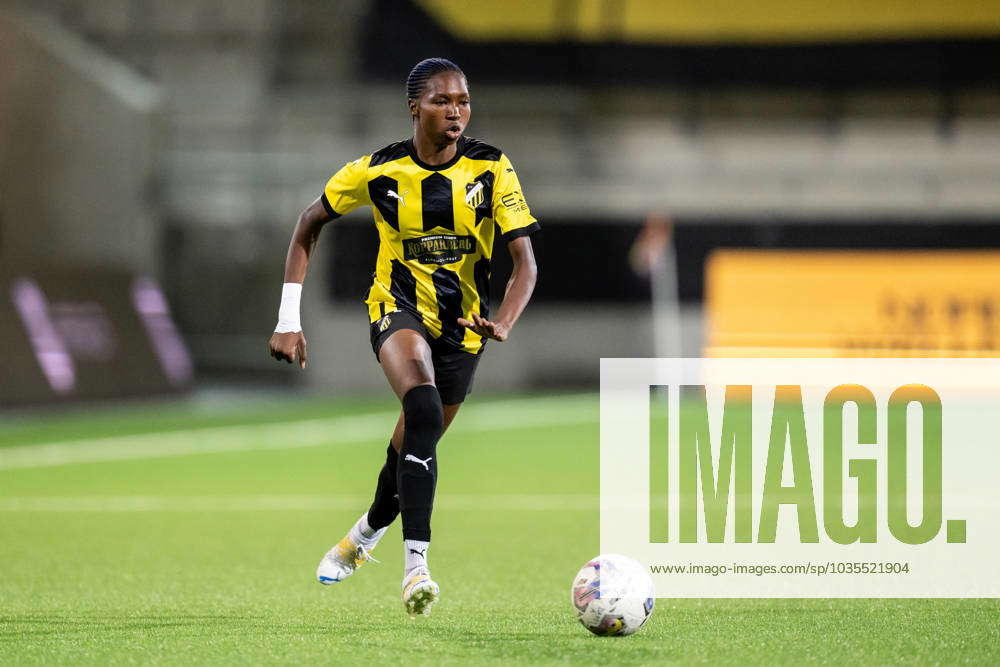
<point x="514" y="201"/>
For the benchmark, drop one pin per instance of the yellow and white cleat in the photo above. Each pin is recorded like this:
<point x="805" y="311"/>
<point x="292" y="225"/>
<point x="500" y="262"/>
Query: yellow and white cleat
<point x="342" y="560"/>
<point x="420" y="592"/>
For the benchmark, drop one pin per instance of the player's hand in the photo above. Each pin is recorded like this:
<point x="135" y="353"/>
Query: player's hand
<point x="495" y="330"/>
<point x="290" y="347"/>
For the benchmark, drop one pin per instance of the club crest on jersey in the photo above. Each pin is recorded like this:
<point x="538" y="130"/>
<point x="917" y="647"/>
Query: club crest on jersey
<point x="384" y="323"/>
<point x="474" y="194"/>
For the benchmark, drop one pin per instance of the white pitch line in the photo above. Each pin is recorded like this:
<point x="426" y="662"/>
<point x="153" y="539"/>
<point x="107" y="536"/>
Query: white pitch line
<point x="446" y="502"/>
<point x="485" y="417"/>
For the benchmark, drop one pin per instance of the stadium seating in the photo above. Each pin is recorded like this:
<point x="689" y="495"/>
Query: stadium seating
<point x="243" y="93"/>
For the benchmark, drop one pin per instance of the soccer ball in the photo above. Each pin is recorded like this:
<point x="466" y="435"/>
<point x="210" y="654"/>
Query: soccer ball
<point x="612" y="595"/>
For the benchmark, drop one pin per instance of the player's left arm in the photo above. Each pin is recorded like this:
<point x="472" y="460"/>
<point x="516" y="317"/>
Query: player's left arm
<point x="515" y="298"/>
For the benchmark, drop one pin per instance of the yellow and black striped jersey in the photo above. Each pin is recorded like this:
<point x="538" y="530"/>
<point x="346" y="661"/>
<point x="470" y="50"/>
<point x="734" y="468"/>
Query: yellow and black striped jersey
<point x="436" y="225"/>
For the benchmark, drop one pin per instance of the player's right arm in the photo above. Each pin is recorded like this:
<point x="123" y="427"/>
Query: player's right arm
<point x="288" y="343"/>
<point x="344" y="192"/>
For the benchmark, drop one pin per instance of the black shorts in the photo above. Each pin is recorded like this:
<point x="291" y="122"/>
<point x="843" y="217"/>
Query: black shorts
<point x="453" y="368"/>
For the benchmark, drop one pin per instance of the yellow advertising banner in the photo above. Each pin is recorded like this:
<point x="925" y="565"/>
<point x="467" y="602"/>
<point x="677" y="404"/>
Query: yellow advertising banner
<point x="853" y="303"/>
<point x="696" y="21"/>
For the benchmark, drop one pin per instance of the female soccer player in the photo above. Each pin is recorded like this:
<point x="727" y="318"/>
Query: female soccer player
<point x="437" y="199"/>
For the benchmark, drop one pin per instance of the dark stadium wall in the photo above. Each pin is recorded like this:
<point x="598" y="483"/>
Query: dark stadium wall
<point x="78" y="151"/>
<point x="934" y="61"/>
<point x="81" y="315"/>
<point x="84" y="334"/>
<point x="594" y="269"/>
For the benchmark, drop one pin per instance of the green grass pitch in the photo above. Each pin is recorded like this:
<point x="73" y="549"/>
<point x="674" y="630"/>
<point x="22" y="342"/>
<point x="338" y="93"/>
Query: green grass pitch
<point x="145" y="549"/>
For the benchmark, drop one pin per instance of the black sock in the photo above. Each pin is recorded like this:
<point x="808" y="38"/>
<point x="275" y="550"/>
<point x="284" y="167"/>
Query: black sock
<point x="423" y="422"/>
<point x="385" y="507"/>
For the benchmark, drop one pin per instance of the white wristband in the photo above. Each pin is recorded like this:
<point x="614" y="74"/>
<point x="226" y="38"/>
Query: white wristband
<point x="288" y="313"/>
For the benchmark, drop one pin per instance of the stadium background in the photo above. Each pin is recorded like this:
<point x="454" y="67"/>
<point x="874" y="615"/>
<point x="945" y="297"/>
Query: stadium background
<point x="209" y="126"/>
<point x="156" y="154"/>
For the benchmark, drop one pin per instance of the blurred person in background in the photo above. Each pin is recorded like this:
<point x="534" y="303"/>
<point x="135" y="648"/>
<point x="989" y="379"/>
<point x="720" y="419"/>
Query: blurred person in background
<point x="653" y="258"/>
<point x="435" y="198"/>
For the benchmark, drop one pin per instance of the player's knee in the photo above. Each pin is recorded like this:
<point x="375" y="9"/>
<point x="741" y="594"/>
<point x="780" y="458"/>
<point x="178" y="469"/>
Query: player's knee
<point x="423" y="413"/>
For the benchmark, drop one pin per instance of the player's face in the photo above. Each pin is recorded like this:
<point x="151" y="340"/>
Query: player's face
<point x="443" y="111"/>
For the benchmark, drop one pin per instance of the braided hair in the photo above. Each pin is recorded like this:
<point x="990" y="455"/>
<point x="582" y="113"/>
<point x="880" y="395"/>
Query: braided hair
<point x="422" y="73"/>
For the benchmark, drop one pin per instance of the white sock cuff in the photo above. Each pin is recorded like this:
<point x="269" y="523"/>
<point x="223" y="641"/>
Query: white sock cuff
<point x="365" y="533"/>
<point x="415" y="552"/>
